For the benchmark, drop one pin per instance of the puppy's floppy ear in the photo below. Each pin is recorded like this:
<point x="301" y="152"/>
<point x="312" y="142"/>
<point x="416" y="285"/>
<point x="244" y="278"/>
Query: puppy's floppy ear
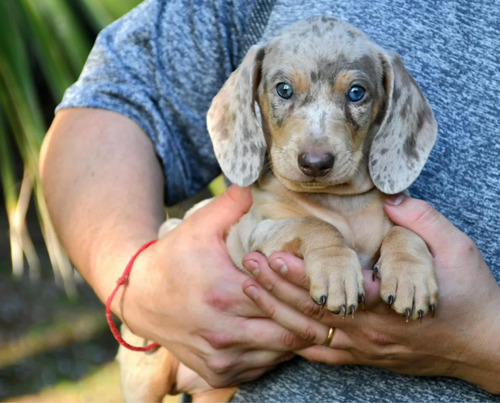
<point x="235" y="129"/>
<point x="407" y="133"/>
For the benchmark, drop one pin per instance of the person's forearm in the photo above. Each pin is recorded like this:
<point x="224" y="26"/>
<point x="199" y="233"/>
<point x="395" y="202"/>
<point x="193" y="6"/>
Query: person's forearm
<point x="104" y="189"/>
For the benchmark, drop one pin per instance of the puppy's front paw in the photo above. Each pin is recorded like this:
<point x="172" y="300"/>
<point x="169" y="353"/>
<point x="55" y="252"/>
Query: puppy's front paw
<point x="407" y="277"/>
<point x="336" y="280"/>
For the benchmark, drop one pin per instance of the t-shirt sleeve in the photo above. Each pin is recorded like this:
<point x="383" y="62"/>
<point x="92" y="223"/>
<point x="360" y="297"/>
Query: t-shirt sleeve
<point x="161" y="65"/>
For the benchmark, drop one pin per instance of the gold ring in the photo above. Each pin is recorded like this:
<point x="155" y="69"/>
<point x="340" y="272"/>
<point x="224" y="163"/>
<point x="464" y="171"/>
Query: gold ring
<point x="329" y="338"/>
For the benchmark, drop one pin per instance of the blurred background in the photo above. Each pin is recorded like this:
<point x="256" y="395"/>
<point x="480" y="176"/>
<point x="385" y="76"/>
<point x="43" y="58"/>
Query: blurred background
<point x="54" y="340"/>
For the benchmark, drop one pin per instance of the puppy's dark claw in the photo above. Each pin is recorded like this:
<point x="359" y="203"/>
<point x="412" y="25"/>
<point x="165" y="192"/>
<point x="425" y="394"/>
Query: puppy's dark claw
<point x="407" y="314"/>
<point x="420" y="315"/>
<point x="376" y="269"/>
<point x="321" y="301"/>
<point x="390" y="300"/>
<point x="361" y="300"/>
<point x="352" y="309"/>
<point x="343" y="310"/>
<point x="432" y="308"/>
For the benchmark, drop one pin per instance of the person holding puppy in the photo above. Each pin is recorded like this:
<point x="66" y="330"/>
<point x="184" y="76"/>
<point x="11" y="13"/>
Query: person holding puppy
<point x="131" y="134"/>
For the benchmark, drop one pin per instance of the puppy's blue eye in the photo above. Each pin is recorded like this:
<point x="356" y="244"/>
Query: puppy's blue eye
<point x="356" y="93"/>
<point x="284" y="90"/>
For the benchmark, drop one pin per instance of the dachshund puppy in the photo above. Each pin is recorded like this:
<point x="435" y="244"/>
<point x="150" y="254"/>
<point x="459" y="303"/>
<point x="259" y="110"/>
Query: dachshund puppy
<point x="324" y="124"/>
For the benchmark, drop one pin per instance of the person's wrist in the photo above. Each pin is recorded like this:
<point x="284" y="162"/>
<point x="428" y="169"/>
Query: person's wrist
<point x="123" y="282"/>
<point x="135" y="293"/>
<point x="110" y="260"/>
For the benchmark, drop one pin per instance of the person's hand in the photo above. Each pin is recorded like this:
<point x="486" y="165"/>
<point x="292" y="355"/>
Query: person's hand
<point x="185" y="293"/>
<point x="460" y="341"/>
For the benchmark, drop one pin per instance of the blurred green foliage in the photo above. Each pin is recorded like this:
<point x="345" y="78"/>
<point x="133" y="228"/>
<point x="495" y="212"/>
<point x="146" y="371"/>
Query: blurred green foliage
<point x="43" y="46"/>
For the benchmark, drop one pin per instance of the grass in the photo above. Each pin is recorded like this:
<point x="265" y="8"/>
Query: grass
<point x="64" y="330"/>
<point x="101" y="386"/>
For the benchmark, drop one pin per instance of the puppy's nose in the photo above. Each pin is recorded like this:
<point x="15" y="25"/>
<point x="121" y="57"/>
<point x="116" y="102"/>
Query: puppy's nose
<point x="315" y="164"/>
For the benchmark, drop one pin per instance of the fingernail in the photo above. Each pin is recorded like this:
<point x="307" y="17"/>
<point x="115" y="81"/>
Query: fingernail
<point x="279" y="265"/>
<point x="252" y="266"/>
<point x="252" y="292"/>
<point x="395" y="200"/>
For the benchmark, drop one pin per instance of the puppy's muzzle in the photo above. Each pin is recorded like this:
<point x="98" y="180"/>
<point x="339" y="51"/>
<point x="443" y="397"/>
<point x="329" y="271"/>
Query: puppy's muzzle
<point x="315" y="164"/>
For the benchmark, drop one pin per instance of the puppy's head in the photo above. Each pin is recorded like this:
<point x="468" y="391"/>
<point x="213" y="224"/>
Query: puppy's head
<point x="335" y="112"/>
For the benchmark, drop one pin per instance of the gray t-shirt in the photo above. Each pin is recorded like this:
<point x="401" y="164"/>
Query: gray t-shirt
<point x="163" y="62"/>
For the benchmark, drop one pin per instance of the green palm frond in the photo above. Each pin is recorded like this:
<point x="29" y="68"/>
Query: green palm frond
<point x="43" y="47"/>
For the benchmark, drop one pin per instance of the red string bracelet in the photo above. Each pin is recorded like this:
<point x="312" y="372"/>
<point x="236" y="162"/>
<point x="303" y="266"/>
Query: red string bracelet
<point x="121" y="281"/>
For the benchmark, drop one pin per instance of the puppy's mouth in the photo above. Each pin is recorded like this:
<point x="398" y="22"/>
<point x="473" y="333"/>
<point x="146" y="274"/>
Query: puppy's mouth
<point x="311" y="186"/>
<point x="328" y="184"/>
<point x="307" y="186"/>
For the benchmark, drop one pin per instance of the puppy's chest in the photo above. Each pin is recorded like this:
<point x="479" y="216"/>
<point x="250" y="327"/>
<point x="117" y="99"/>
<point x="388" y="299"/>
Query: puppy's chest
<point x="360" y="219"/>
<point x="368" y="228"/>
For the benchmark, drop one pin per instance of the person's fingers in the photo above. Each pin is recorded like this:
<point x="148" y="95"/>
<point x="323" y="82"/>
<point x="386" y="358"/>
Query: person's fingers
<point x="263" y="358"/>
<point x="284" y="290"/>
<point x="268" y="334"/>
<point x="299" y="324"/>
<point x="290" y="267"/>
<point x="327" y="355"/>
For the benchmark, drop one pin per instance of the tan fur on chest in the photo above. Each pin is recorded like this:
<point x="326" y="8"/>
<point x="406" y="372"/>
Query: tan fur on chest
<point x="360" y="219"/>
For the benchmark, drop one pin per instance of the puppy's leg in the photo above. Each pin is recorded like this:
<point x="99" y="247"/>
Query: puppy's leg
<point x="333" y="268"/>
<point x="146" y="377"/>
<point x="406" y="272"/>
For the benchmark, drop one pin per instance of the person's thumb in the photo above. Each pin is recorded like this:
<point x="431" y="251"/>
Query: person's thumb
<point x="227" y="208"/>
<point x="423" y="219"/>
